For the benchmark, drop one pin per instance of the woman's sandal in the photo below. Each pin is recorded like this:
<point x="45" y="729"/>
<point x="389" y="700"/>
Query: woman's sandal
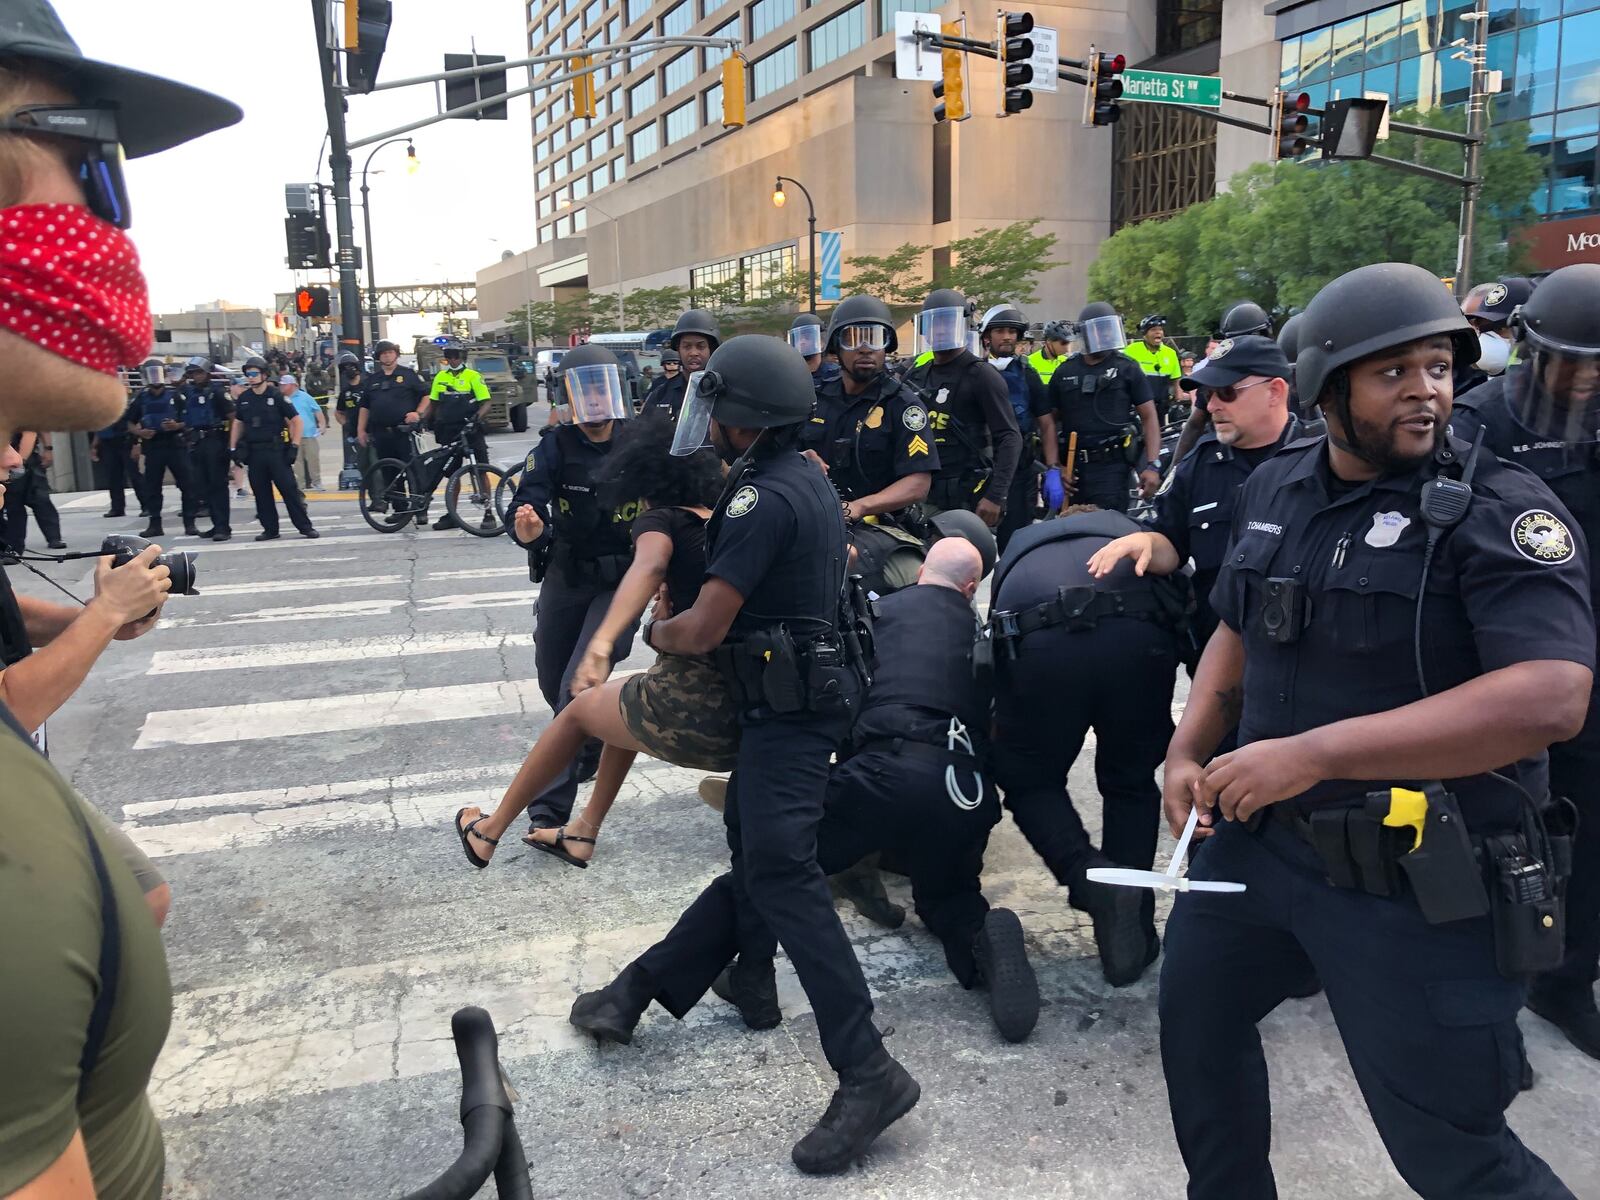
<point x="470" y="829"/>
<point x="555" y="848"/>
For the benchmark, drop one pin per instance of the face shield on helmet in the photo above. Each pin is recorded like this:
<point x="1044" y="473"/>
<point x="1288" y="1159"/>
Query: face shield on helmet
<point x="1103" y="334"/>
<point x="693" y="431"/>
<point x="153" y="372"/>
<point x="941" y="329"/>
<point x="1556" y="392"/>
<point x="807" y="339"/>
<point x="594" y="393"/>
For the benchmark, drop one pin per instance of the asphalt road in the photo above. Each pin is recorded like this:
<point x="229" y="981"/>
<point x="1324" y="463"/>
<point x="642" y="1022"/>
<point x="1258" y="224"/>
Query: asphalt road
<point x="291" y="744"/>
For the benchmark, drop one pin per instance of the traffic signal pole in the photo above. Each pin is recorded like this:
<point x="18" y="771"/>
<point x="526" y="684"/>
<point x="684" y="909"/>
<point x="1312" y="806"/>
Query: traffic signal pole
<point x="339" y="163"/>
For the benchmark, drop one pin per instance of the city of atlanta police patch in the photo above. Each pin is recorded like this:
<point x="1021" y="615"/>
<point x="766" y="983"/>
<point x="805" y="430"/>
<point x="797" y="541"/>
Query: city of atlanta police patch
<point x="914" y="417"/>
<point x="1542" y="536"/>
<point x="743" y="501"/>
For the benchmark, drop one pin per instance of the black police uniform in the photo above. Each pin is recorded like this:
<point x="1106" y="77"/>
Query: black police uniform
<point x="667" y="393"/>
<point x="974" y="429"/>
<point x="1029" y="402"/>
<point x="777" y="537"/>
<point x="1194" y="511"/>
<point x="1427" y="1020"/>
<point x="32" y="491"/>
<point x="1573" y="474"/>
<point x="387" y="399"/>
<point x="265" y="442"/>
<point x="1100" y="402"/>
<point x="825" y="374"/>
<point x="580" y="558"/>
<point x="1072" y="653"/>
<point x="349" y="406"/>
<point x="164" y="451"/>
<point x="207" y="411"/>
<point x="111" y="446"/>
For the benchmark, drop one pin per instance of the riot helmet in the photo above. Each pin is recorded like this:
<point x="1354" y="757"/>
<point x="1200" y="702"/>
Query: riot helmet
<point x="670" y="358"/>
<point x="591" y="385"/>
<point x="348" y="358"/>
<point x="1243" y="319"/>
<point x="1289" y="337"/>
<point x="1005" y="316"/>
<point x="870" y="324"/>
<point x="964" y="523"/>
<point x="174" y="374"/>
<point x="1556" y="391"/>
<point x="257" y="364"/>
<point x="698" y="321"/>
<point x="385" y="344"/>
<point x="198" y="363"/>
<point x="805" y="334"/>
<point x="752" y="382"/>
<point x="1101" y="328"/>
<point x="942" y="323"/>
<point x="153" y="371"/>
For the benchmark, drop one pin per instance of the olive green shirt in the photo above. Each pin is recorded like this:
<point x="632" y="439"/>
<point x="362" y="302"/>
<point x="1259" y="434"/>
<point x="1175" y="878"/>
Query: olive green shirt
<point x="50" y="924"/>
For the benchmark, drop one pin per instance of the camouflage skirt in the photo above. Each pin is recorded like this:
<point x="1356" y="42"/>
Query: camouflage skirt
<point x="682" y="712"/>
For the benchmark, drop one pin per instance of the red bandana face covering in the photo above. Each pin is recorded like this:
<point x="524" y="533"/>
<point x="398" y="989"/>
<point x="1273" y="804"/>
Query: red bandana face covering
<point x="70" y="283"/>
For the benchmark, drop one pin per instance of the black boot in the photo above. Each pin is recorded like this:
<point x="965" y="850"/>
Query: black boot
<point x="1003" y="965"/>
<point x="753" y="991"/>
<point x="191" y="530"/>
<point x="1568" y="1005"/>
<point x="869" y="1099"/>
<point x="862" y="885"/>
<point x="1123" y="930"/>
<point x="610" y="1014"/>
<point x="152" y="530"/>
<point x="445" y="522"/>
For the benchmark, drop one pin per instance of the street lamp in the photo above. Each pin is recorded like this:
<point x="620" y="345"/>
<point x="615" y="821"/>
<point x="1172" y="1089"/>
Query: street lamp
<point x="778" y="201"/>
<point x="366" y="217"/>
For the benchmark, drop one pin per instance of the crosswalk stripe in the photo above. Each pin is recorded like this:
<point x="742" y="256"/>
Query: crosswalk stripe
<point x="290" y="538"/>
<point x="366" y="607"/>
<point x="329" y="714"/>
<point x="298" y="585"/>
<point x="295" y="654"/>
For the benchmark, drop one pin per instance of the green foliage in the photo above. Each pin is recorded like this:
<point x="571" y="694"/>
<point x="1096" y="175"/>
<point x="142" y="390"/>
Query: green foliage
<point x="896" y="278"/>
<point x="1282" y="231"/>
<point x="655" y="308"/>
<point x="995" y="265"/>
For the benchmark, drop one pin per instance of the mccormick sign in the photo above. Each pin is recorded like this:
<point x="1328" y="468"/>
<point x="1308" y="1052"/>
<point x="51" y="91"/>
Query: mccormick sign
<point x="1555" y="244"/>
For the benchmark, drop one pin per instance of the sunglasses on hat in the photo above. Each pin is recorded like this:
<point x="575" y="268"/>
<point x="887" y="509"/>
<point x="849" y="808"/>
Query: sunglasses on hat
<point x="93" y="131"/>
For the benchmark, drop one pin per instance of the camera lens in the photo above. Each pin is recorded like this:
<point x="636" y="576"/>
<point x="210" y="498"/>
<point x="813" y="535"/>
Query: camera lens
<point x="181" y="564"/>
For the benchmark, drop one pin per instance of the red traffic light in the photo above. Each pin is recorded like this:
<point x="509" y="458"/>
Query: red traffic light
<point x="1119" y="62"/>
<point x="1302" y="101"/>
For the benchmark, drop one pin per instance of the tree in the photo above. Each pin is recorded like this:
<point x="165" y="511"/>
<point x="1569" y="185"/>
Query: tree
<point x="896" y="278"/>
<point x="535" y="320"/>
<point x="655" y="308"/>
<point x="1281" y="231"/>
<point x="995" y="265"/>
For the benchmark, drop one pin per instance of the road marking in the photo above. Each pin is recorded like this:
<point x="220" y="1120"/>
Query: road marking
<point x="366" y="607"/>
<point x="290" y="538"/>
<point x="299" y="585"/>
<point x="329" y="714"/>
<point x="293" y="654"/>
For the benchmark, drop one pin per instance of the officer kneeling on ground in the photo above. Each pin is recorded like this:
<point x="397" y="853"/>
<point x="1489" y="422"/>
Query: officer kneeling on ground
<point x="770" y="611"/>
<point x="1402" y="620"/>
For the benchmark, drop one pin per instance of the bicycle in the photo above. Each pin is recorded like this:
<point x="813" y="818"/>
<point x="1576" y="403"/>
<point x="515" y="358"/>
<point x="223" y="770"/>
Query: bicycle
<point x="394" y="493"/>
<point x="510" y="481"/>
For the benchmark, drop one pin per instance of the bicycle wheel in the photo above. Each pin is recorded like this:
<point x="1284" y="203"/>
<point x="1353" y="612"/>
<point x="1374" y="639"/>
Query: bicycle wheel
<point x="469" y="499"/>
<point x="510" y="481"/>
<point x="387" y="498"/>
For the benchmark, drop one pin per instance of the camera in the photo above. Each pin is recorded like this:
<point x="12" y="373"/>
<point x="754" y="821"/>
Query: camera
<point x="124" y="548"/>
<point x="1283" y="610"/>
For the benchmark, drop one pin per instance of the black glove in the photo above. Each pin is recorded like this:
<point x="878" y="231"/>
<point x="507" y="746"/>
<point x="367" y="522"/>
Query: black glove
<point x="294" y="453"/>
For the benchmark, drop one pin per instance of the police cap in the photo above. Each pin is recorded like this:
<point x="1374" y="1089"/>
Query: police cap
<point x="963" y="523"/>
<point x="1242" y="318"/>
<point x="1493" y="303"/>
<point x="757" y="382"/>
<point x="1233" y="359"/>
<point x="1374" y="308"/>
<point x="696" y="320"/>
<point x="861" y="310"/>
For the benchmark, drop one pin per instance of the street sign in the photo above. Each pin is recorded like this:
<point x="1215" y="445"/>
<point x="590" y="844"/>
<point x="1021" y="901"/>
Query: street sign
<point x="1043" y="60"/>
<point x="1160" y="87"/>
<point x="914" y="59"/>
<point x="830" y="285"/>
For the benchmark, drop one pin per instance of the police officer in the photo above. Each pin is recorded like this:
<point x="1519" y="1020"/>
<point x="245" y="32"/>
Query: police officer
<point x="455" y="399"/>
<point x="30" y="489"/>
<point x="1246" y="382"/>
<point x="1350" y="704"/>
<point x="264" y="438"/>
<point x="770" y="610"/>
<point x="1072" y="653"/>
<point x="1101" y="395"/>
<point x="974" y="428"/>
<point x="1244" y="319"/>
<point x="347" y="411"/>
<point x="1158" y="360"/>
<point x="1488" y="308"/>
<point x="1542" y="414"/>
<point x="577" y="551"/>
<point x="693" y="339"/>
<point x="207" y="411"/>
<point x="390" y="397"/>
<point x="1057" y="344"/>
<point x="1003" y="325"/>
<point x="110" y="447"/>
<point x="806" y="336"/>
<point x="870" y="433"/>
<point x="159" y="426"/>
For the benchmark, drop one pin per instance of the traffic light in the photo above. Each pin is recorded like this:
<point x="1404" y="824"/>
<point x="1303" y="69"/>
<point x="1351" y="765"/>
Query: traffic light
<point x="307" y="237"/>
<point x="372" y="34"/>
<point x="1016" y="71"/>
<point x="1289" y="124"/>
<point x="1352" y="127"/>
<point x="733" y="89"/>
<point x="312" y="302"/>
<point x="582" y="87"/>
<point x="951" y="91"/>
<point x="1104" y="89"/>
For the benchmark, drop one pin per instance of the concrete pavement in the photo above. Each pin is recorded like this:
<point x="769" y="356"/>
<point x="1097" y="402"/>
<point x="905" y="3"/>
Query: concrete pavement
<point x="291" y="744"/>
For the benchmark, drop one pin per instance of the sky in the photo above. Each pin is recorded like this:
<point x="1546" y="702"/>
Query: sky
<point x="208" y="216"/>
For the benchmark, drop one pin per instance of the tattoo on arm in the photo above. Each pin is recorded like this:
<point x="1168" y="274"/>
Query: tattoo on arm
<point x="1232" y="702"/>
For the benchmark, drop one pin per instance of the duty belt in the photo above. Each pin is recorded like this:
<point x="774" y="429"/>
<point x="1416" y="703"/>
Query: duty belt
<point x="1109" y="451"/>
<point x="911" y="748"/>
<point x="1077" y="608"/>
<point x="770" y="669"/>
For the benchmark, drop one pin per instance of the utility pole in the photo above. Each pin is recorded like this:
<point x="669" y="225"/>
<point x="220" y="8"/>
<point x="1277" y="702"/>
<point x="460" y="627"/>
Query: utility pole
<point x="1477" y="121"/>
<point x="339" y="162"/>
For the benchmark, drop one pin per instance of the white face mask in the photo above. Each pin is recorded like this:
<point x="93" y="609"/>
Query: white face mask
<point x="1000" y="364"/>
<point x="1493" y="353"/>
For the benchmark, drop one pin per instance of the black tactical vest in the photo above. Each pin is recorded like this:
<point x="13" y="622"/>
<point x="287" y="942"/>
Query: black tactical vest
<point x="582" y="527"/>
<point x="924" y="637"/>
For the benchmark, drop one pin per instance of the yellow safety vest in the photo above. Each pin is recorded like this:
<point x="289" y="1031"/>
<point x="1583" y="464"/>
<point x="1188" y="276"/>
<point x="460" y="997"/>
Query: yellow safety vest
<point x="1045" y="366"/>
<point x="1161" y="361"/>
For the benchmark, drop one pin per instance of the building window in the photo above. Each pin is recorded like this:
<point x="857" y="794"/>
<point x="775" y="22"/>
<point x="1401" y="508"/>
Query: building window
<point x="600" y="177"/>
<point x="559" y="108"/>
<point x="641" y="96"/>
<point x="591" y="15"/>
<point x="1184" y="24"/>
<point x="680" y="122"/>
<point x="544" y="234"/>
<point x="677" y="20"/>
<point x="551" y="20"/>
<point x="541" y="121"/>
<point x="715" y="54"/>
<point x="580" y="220"/>
<point x="711" y="273"/>
<point x="637" y="10"/>
<point x="644" y="142"/>
<point x="569" y="35"/>
<point x="764" y="273"/>
<point x="713" y="106"/>
<point x="768" y="15"/>
<point x="544" y="178"/>
<point x="558" y="137"/>
<point x="679" y="73"/>
<point x="839" y="35"/>
<point x="890" y="7"/>
<point x="580" y="187"/>
<point x="580" y="155"/>
<point x="1165" y="161"/>
<point x="775" y="71"/>
<point x="546" y="206"/>
<point x="619" y="169"/>
<point x="564" y="227"/>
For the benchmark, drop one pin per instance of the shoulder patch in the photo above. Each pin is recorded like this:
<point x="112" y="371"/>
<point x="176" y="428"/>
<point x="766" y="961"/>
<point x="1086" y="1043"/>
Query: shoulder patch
<point x="528" y="463"/>
<point x="1166" y="484"/>
<point x="1542" y="536"/>
<point x="914" y="418"/>
<point x="743" y="501"/>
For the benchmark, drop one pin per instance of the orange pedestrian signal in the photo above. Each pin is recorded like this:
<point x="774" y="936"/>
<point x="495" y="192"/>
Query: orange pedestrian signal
<point x="312" y="302"/>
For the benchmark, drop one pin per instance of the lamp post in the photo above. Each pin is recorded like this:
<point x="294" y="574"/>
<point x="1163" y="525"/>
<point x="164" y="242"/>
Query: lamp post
<point x="366" y="217"/>
<point x="778" y="200"/>
<point x="616" y="254"/>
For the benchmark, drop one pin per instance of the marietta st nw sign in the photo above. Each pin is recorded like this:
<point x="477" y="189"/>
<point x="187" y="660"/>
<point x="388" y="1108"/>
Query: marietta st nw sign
<point x="1160" y="87"/>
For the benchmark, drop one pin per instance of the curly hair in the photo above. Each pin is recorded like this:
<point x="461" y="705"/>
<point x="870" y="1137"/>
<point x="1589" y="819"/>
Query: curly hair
<point x="641" y="466"/>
